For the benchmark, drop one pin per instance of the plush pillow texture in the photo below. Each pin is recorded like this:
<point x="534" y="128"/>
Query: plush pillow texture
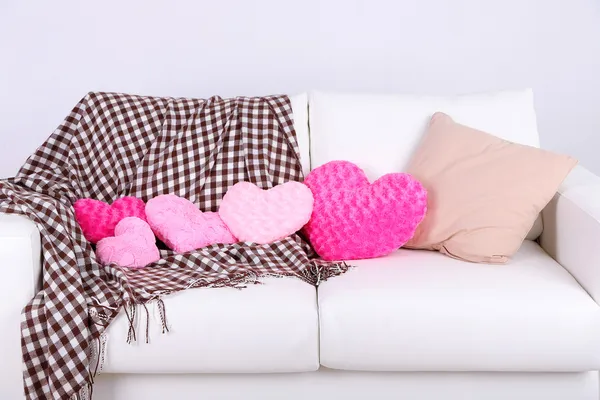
<point x="98" y="219"/>
<point x="182" y="226"/>
<point x="354" y="219"/>
<point x="264" y="216"/>
<point x="133" y="245"/>
<point x="485" y="193"/>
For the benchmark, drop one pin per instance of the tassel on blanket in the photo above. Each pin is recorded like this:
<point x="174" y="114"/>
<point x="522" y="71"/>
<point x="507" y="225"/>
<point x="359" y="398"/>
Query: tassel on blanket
<point x="97" y="358"/>
<point x="131" y="337"/>
<point x="147" y="323"/>
<point x="85" y="393"/>
<point x="102" y="343"/>
<point x="131" y="313"/>
<point x="162" y="312"/>
<point x="315" y="272"/>
<point x="235" y="281"/>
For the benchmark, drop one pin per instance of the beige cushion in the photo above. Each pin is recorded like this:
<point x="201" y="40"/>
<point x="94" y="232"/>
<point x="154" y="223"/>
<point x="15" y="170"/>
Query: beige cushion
<point x="536" y="229"/>
<point x="484" y="193"/>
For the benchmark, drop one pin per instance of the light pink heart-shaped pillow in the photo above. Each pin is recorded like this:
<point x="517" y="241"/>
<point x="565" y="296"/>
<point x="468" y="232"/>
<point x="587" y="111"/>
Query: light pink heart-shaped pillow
<point x="353" y="219"/>
<point x="264" y="216"/>
<point x="182" y="226"/>
<point x="133" y="245"/>
<point x="98" y="219"/>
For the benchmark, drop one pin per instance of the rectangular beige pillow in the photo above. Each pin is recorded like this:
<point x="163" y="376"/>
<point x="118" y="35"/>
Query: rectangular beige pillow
<point x="484" y="193"/>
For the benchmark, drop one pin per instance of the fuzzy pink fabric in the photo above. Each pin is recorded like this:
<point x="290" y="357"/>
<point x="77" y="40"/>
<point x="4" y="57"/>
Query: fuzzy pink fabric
<point x="353" y="219"/>
<point x="182" y="226"/>
<point x="98" y="219"/>
<point x="264" y="216"/>
<point x="133" y="245"/>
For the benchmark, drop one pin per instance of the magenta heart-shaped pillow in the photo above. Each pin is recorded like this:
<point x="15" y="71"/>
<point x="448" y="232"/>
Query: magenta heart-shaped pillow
<point x="98" y="219"/>
<point x="182" y="226"/>
<point x="133" y="245"/>
<point x="353" y="219"/>
<point x="264" y="216"/>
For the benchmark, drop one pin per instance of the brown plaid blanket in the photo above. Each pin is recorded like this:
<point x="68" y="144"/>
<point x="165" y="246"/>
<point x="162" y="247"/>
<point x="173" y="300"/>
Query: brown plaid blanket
<point x="113" y="145"/>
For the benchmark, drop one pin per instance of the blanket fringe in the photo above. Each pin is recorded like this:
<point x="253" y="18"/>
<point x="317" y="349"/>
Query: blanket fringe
<point x="147" y="323"/>
<point x="97" y="359"/>
<point x="237" y="281"/>
<point x="314" y="274"/>
<point x="85" y="393"/>
<point x="101" y="356"/>
<point x="162" y="312"/>
<point x="131" y="337"/>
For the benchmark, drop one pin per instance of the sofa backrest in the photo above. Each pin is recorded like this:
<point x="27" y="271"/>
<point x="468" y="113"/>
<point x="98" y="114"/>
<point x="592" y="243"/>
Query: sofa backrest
<point x="380" y="132"/>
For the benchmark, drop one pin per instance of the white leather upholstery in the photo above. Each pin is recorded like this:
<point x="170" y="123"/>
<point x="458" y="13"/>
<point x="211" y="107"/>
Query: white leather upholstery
<point x="423" y="311"/>
<point x="572" y="228"/>
<point x="21" y="275"/>
<point x="264" y="328"/>
<point x="351" y="385"/>
<point x="380" y="132"/>
<point x="300" y="111"/>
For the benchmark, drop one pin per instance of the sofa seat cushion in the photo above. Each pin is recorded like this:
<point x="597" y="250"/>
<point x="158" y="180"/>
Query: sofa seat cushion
<point x="264" y="328"/>
<point x="423" y="311"/>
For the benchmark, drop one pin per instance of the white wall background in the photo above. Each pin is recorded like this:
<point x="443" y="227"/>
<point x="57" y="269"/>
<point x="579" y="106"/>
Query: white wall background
<point x="52" y="53"/>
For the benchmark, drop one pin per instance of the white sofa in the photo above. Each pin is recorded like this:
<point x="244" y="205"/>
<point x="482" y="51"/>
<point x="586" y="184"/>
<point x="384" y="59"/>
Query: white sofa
<point x="413" y="325"/>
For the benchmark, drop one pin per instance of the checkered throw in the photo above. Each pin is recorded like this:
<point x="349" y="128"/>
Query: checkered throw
<point x="113" y="145"/>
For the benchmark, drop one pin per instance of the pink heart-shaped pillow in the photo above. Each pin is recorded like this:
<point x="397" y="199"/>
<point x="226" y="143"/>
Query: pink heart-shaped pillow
<point x="98" y="219"/>
<point x="264" y="216"/>
<point x="182" y="226"/>
<point x="132" y="246"/>
<point x="353" y="219"/>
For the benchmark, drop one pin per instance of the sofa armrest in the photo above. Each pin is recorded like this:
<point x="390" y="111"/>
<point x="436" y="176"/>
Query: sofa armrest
<point x="20" y="260"/>
<point x="572" y="228"/>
